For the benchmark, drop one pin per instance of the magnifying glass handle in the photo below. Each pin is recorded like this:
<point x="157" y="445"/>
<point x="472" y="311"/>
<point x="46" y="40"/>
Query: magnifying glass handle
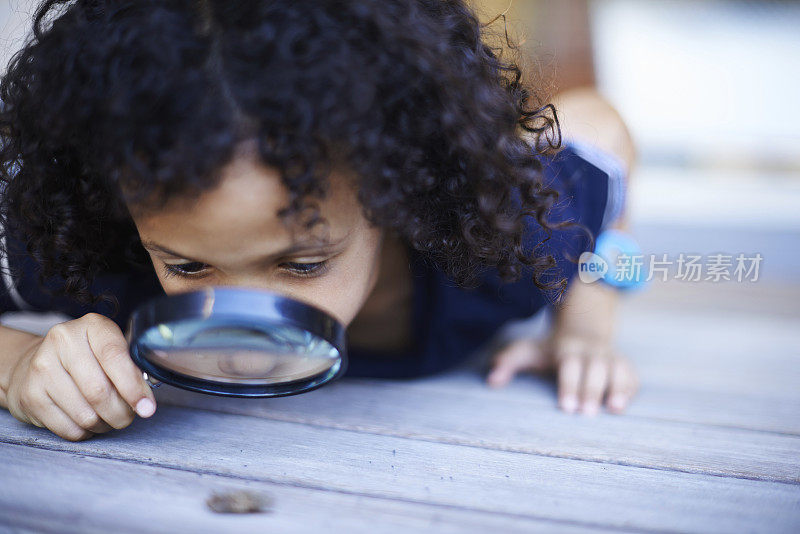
<point x="152" y="382"/>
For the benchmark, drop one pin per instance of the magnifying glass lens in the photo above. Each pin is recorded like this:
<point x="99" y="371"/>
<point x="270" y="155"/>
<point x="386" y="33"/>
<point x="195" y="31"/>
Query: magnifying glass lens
<point x="236" y="353"/>
<point x="236" y="341"/>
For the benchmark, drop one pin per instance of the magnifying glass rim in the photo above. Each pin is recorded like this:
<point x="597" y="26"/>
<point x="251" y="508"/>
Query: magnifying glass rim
<point x="236" y="303"/>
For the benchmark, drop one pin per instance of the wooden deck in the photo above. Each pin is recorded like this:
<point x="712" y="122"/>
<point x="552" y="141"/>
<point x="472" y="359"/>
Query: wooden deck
<point x="711" y="444"/>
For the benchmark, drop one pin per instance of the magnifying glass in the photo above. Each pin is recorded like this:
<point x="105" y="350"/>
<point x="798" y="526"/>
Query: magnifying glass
<point x="237" y="342"/>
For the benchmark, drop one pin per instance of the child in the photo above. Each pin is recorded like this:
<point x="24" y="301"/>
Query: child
<point x="376" y="159"/>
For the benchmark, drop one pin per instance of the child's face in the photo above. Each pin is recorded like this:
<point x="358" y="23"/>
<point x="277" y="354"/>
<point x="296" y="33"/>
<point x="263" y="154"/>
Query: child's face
<point x="233" y="236"/>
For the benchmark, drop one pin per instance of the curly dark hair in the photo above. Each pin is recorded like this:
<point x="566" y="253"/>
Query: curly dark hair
<point x="113" y="103"/>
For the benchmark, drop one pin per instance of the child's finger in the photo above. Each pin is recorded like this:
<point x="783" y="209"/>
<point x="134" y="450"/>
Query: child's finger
<point x="595" y="379"/>
<point x="53" y="418"/>
<point x="570" y="368"/>
<point x="519" y="355"/>
<point x="622" y="384"/>
<point x="65" y="394"/>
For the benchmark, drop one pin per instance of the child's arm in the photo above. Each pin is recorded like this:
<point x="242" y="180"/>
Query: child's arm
<point x="580" y="344"/>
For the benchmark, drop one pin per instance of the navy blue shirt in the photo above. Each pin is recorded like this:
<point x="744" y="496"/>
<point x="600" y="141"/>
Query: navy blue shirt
<point x="448" y="322"/>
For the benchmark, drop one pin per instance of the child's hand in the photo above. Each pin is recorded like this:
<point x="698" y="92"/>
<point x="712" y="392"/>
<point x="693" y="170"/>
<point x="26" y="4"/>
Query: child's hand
<point x="585" y="371"/>
<point x="580" y="350"/>
<point x="79" y="380"/>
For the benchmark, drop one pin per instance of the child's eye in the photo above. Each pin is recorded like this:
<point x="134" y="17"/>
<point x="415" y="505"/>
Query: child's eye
<point x="185" y="270"/>
<point x="195" y="269"/>
<point x="307" y="269"/>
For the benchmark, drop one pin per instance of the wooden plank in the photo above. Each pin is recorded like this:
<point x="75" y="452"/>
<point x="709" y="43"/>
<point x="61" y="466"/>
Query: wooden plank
<point x="734" y="353"/>
<point x="759" y="299"/>
<point x="523" y="485"/>
<point x="714" y="352"/>
<point x="732" y="370"/>
<point x="60" y="492"/>
<point x="722" y="338"/>
<point x="654" y="401"/>
<point x="496" y="422"/>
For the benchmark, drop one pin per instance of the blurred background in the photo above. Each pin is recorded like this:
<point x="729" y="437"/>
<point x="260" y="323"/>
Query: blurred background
<point x="708" y="90"/>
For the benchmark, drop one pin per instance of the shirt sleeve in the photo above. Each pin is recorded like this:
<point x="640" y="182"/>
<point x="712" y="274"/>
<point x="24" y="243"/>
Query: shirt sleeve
<point x="10" y="299"/>
<point x="586" y="196"/>
<point x="23" y="291"/>
<point x="614" y="169"/>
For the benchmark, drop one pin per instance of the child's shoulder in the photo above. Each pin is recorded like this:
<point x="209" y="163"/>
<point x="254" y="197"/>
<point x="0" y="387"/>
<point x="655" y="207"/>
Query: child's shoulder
<point x="593" y="180"/>
<point x="21" y="289"/>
